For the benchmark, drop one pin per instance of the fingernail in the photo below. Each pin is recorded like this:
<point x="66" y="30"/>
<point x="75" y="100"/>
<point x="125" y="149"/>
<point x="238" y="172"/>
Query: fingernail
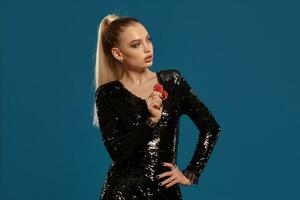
<point x="157" y="176"/>
<point x="162" y="163"/>
<point x="159" y="183"/>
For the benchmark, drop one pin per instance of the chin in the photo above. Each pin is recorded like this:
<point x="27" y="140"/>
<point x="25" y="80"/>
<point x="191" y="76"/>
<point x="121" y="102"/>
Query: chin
<point x="148" y="65"/>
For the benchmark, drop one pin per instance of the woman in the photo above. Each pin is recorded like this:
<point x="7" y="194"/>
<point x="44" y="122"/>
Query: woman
<point x="138" y="113"/>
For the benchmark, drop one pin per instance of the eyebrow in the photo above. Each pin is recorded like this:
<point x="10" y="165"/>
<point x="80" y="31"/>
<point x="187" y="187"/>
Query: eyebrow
<point x="138" y="39"/>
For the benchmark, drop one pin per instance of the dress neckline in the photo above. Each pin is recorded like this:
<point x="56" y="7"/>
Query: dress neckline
<point x="138" y="97"/>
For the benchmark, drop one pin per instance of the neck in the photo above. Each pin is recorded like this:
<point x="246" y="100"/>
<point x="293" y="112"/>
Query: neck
<point x="135" y="77"/>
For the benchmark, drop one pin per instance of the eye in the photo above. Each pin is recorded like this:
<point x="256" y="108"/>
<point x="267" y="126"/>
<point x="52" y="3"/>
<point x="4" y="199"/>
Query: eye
<point x="135" y="45"/>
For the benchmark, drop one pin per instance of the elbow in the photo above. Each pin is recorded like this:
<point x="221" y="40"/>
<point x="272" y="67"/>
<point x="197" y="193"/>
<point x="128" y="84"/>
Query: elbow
<point x="216" y="127"/>
<point x="210" y="128"/>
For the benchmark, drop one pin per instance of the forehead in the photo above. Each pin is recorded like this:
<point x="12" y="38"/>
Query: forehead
<point x="134" y="31"/>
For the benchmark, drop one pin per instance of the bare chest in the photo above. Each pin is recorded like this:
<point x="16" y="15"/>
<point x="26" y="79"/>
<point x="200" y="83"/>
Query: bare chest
<point x="143" y="91"/>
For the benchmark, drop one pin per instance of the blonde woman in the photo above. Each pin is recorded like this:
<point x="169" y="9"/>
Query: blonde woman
<point x="138" y="113"/>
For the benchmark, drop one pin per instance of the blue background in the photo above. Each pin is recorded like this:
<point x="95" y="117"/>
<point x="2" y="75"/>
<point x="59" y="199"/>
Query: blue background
<point x="240" y="57"/>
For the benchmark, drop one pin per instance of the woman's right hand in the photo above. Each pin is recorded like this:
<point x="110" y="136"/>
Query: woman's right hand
<point x="154" y="104"/>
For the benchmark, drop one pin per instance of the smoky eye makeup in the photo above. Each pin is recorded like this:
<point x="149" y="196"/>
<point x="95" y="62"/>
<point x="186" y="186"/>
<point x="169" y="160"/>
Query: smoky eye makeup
<point x="136" y="44"/>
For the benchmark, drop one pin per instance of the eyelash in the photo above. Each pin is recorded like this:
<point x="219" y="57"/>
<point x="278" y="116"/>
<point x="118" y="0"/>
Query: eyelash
<point x="135" y="45"/>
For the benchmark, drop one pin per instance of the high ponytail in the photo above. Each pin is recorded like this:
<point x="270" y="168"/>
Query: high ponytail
<point x="107" y="68"/>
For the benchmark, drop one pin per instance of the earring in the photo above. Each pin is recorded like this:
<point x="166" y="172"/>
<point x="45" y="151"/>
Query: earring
<point x="121" y="61"/>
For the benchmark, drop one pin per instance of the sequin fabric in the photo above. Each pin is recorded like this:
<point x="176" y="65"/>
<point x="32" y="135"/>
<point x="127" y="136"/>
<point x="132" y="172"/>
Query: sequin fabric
<point x="137" y="150"/>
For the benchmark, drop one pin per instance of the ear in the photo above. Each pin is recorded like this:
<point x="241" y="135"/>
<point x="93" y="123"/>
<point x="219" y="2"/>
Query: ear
<point x="117" y="53"/>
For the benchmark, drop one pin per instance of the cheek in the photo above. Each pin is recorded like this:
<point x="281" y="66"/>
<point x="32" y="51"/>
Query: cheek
<point x="135" y="55"/>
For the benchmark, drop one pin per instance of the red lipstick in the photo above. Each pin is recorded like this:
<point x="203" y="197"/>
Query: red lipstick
<point x="148" y="58"/>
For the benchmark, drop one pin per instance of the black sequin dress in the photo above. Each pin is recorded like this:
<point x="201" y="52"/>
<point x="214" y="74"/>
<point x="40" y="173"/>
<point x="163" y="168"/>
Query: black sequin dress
<point x="137" y="150"/>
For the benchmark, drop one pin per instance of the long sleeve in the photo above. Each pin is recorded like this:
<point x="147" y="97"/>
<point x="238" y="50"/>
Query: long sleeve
<point x="120" y="141"/>
<point x="209" y="129"/>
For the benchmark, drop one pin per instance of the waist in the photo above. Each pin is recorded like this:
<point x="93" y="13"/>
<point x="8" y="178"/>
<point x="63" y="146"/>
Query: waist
<point x="147" y="157"/>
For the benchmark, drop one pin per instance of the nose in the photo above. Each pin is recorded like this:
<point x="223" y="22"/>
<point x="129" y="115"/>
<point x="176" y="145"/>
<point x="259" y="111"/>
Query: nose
<point x="147" y="47"/>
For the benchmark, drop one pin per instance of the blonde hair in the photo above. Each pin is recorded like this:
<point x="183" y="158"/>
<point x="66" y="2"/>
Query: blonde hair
<point x="107" y="67"/>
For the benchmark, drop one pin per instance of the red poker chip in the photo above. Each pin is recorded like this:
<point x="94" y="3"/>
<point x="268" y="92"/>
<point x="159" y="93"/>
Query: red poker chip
<point x="159" y="88"/>
<point x="165" y="95"/>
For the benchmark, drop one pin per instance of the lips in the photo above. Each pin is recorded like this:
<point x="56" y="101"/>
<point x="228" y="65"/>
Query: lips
<point x="148" y="58"/>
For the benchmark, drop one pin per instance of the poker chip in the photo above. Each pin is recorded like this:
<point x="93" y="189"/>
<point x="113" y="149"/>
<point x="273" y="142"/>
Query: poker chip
<point x="159" y="88"/>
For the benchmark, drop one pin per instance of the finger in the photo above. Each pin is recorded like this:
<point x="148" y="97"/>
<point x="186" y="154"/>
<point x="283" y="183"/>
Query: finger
<point x="161" y="107"/>
<point x="170" y="165"/>
<point x="155" y="93"/>
<point x="168" y="180"/>
<point x="156" y="107"/>
<point x="150" y="104"/>
<point x="151" y="95"/>
<point x="157" y="103"/>
<point x="189" y="182"/>
<point x="172" y="183"/>
<point x="168" y="173"/>
<point x="157" y="99"/>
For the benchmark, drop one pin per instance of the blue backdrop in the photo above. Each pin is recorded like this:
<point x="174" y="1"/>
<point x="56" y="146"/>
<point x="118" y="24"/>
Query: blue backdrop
<point x="240" y="57"/>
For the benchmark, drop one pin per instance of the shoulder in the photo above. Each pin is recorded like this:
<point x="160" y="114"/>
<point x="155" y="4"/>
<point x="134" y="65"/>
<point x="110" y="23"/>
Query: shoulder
<point x="105" y="90"/>
<point x="170" y="75"/>
<point x="170" y="72"/>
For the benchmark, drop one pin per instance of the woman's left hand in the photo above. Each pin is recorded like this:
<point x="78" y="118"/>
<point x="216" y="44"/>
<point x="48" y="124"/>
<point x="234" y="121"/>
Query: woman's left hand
<point x="175" y="174"/>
